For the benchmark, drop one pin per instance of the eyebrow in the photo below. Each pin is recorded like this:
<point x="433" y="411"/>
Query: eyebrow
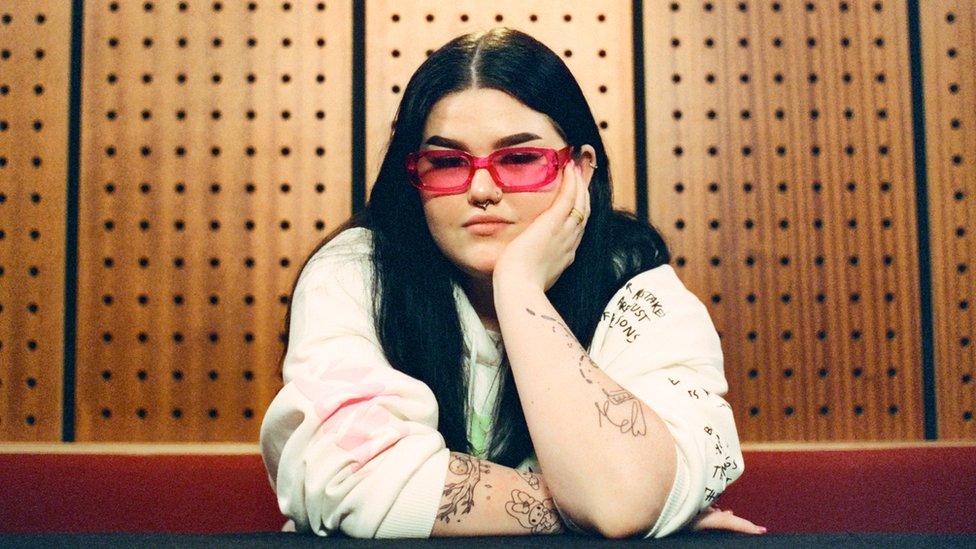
<point x="503" y="142"/>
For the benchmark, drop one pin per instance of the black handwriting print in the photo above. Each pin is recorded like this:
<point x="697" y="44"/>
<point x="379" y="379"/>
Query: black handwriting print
<point x="722" y="470"/>
<point x="627" y="409"/>
<point x="460" y="494"/>
<point x="632" y="310"/>
<point x="530" y="479"/>
<point x="650" y="301"/>
<point x="536" y="515"/>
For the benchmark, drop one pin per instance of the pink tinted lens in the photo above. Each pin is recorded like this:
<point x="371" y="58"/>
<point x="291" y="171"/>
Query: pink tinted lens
<point x="514" y="169"/>
<point x="521" y="168"/>
<point x="443" y="171"/>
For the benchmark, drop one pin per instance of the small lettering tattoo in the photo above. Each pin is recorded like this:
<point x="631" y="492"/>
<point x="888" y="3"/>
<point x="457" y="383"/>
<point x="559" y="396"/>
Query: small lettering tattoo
<point x="627" y="409"/>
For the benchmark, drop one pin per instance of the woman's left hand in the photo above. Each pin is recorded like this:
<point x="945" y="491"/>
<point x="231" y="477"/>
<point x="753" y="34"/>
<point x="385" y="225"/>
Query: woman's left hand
<point x="714" y="518"/>
<point x="540" y="254"/>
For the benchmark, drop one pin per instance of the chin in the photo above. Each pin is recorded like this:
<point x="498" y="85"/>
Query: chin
<point x="481" y="268"/>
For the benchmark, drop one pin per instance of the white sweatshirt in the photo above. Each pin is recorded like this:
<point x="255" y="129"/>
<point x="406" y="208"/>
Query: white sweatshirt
<point x="351" y="444"/>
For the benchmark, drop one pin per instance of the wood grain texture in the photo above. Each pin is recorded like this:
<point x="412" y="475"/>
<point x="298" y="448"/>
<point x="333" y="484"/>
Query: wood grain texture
<point x="216" y="151"/>
<point x="781" y="173"/>
<point x="949" y="65"/>
<point x="34" y="76"/>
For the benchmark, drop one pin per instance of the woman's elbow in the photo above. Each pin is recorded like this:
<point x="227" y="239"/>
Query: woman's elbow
<point x="624" y="524"/>
<point x="632" y="513"/>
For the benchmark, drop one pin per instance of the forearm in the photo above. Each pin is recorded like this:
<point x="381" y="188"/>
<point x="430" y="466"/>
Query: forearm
<point x="483" y="498"/>
<point x="608" y="458"/>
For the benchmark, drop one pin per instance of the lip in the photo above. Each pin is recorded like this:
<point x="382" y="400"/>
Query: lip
<point x="486" y="229"/>
<point x="485" y="219"/>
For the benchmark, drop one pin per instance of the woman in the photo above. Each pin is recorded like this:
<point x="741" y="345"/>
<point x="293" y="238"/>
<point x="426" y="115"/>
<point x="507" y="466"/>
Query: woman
<point x="471" y="326"/>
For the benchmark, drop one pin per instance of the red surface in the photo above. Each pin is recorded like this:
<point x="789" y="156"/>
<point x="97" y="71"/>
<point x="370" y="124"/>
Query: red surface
<point x="136" y="493"/>
<point x="922" y="489"/>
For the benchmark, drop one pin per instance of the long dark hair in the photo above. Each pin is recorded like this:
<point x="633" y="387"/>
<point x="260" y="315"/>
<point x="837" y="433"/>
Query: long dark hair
<point x="415" y="315"/>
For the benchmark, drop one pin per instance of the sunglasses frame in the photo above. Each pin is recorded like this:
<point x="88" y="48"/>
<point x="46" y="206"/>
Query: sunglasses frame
<point x="556" y="160"/>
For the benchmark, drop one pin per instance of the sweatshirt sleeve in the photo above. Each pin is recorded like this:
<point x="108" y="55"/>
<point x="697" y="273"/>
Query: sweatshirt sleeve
<point x="656" y="340"/>
<point x="350" y="444"/>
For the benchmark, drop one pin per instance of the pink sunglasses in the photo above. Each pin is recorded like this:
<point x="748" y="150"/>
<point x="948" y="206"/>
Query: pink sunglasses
<point x="514" y="169"/>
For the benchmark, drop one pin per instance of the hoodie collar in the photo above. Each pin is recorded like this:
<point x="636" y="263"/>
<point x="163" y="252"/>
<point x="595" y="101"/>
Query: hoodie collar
<point x="480" y="345"/>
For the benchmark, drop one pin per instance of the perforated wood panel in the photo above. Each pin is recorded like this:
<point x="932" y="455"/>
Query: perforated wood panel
<point x="216" y="153"/>
<point x="34" y="54"/>
<point x="593" y="38"/>
<point x="780" y="170"/>
<point x="948" y="39"/>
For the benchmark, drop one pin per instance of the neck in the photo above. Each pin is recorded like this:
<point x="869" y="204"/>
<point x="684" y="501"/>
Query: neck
<point x="481" y="294"/>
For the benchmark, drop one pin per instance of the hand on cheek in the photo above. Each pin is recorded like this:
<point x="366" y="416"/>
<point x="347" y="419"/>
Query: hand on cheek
<point x="540" y="254"/>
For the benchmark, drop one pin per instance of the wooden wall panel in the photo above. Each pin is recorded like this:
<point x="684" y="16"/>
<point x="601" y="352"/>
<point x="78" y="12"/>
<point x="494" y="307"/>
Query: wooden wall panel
<point x="216" y="152"/>
<point x="35" y="50"/>
<point x="781" y="172"/>
<point x="215" y="155"/>
<point x="593" y="38"/>
<point x="949" y="65"/>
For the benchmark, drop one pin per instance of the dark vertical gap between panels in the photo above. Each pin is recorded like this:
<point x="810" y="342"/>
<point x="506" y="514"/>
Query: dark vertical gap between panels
<point x="922" y="214"/>
<point x="358" y="106"/>
<point x="640" y="138"/>
<point x="71" y="225"/>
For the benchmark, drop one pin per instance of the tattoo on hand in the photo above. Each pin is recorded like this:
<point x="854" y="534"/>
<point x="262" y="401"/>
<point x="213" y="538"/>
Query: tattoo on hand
<point x="460" y="494"/>
<point x="539" y="516"/>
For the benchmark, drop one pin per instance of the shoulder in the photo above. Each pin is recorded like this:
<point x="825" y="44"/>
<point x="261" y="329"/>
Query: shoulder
<point x="347" y="257"/>
<point x="656" y="299"/>
<point x="661" y="279"/>
<point x="354" y="242"/>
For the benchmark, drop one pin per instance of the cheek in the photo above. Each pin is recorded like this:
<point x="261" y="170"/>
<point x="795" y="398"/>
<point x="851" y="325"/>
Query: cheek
<point x="443" y="221"/>
<point x="534" y="204"/>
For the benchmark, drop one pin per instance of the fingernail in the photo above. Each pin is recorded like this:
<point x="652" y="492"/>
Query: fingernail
<point x="762" y="530"/>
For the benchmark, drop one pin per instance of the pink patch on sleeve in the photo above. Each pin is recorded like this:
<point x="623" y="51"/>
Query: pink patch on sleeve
<point x="329" y="397"/>
<point x="340" y="397"/>
<point x="371" y="433"/>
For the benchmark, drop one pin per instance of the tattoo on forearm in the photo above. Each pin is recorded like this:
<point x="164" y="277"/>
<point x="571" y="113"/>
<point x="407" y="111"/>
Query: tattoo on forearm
<point x="627" y="408"/>
<point x="530" y="479"/>
<point x="537" y="515"/>
<point x="619" y="402"/>
<point x="584" y="363"/>
<point x="460" y="494"/>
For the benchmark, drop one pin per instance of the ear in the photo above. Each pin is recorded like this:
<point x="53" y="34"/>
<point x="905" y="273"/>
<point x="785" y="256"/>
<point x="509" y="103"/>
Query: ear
<point x="586" y="160"/>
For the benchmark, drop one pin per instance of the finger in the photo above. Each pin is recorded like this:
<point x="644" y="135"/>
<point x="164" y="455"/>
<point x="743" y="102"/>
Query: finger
<point x="573" y="222"/>
<point x="567" y="194"/>
<point x="586" y="191"/>
<point x="725" y="520"/>
<point x="580" y="190"/>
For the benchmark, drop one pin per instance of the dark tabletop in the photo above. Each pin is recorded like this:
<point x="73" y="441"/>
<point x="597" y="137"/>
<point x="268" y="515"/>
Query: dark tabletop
<point x="285" y="539"/>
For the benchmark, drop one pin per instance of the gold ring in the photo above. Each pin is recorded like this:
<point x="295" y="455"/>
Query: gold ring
<point x="578" y="214"/>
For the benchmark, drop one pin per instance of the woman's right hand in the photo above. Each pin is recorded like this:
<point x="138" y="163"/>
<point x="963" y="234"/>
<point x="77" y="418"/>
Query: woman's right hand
<point x="714" y="518"/>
